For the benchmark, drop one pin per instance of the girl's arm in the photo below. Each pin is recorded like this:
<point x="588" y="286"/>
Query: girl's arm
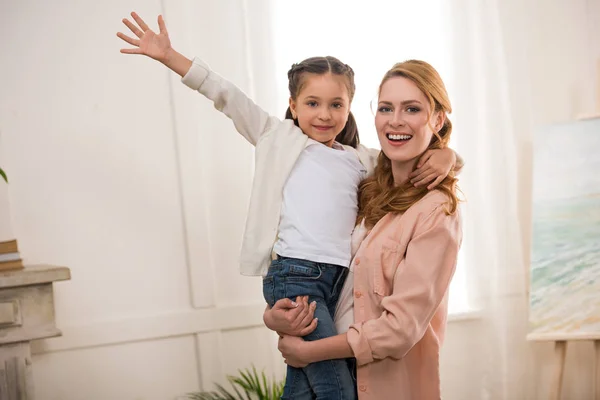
<point x="434" y="166"/>
<point x="250" y="120"/>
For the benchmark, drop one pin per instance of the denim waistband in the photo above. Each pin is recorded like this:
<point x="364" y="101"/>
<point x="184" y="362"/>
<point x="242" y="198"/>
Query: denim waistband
<point x="305" y="261"/>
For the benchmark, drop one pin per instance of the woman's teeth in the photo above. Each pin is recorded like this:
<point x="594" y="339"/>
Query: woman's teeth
<point x="398" y="137"/>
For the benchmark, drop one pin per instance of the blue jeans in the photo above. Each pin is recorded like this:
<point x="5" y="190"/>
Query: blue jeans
<point x="291" y="277"/>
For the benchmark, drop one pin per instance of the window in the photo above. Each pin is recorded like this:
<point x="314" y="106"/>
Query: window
<point x="370" y="37"/>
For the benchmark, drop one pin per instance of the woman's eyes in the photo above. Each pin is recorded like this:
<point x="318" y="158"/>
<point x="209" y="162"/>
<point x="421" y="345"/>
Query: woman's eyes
<point x="386" y="109"/>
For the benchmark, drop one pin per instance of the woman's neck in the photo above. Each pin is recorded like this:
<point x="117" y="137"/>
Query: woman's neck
<point x="401" y="170"/>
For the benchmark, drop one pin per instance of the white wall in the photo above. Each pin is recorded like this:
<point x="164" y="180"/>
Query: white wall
<point x="140" y="187"/>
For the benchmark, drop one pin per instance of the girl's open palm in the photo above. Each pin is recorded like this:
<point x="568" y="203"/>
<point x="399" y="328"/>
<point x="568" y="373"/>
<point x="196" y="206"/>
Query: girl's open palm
<point x="156" y="46"/>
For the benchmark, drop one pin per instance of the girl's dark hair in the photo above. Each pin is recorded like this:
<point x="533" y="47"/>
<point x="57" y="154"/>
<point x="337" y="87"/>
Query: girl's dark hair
<point x="320" y="66"/>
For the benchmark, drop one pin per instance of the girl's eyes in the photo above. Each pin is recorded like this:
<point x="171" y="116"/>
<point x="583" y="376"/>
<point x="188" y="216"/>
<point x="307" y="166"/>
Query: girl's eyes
<point x="413" y="109"/>
<point x="384" y="109"/>
<point x="315" y="104"/>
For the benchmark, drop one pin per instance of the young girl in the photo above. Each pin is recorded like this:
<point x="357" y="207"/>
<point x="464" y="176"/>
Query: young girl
<point x="303" y="205"/>
<point x="403" y="268"/>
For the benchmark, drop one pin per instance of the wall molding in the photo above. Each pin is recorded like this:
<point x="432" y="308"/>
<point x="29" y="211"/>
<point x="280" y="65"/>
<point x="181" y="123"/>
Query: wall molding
<point x="169" y="325"/>
<point x="152" y="327"/>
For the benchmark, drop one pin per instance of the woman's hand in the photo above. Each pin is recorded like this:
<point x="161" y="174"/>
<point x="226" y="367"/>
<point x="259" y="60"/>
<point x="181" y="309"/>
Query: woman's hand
<point x="291" y="318"/>
<point x="433" y="167"/>
<point x="148" y="43"/>
<point x="292" y="349"/>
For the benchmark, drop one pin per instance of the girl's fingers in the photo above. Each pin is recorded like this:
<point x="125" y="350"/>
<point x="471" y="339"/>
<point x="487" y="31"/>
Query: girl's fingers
<point x="424" y="158"/>
<point x="161" y="25"/>
<point x="131" y="51"/>
<point x="426" y="180"/>
<point x="131" y="41"/>
<point x="136" y="31"/>
<point x="436" y="182"/>
<point x="420" y="174"/>
<point x="140" y="21"/>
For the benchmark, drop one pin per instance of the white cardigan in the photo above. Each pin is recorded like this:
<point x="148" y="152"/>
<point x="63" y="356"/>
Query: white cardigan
<point x="278" y="146"/>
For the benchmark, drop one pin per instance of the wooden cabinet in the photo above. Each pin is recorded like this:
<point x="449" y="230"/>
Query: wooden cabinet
<point x="26" y="314"/>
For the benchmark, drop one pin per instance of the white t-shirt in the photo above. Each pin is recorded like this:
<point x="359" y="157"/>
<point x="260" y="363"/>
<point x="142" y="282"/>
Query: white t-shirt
<point x="320" y="204"/>
<point x="344" y="311"/>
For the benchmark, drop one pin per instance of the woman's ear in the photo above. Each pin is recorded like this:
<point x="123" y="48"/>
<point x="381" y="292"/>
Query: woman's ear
<point x="293" y="108"/>
<point x="440" y="119"/>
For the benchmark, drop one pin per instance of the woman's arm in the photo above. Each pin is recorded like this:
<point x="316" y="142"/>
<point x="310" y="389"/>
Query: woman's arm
<point x="250" y="120"/>
<point x="299" y="353"/>
<point x="291" y="318"/>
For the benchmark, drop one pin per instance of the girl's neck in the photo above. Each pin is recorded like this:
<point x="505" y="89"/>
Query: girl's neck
<point x="401" y="170"/>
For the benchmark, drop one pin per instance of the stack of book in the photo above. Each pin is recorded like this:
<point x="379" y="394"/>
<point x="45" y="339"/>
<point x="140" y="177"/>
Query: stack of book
<point x="10" y="258"/>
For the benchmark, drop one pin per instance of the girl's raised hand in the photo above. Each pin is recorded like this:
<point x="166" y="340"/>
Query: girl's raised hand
<point x="148" y="43"/>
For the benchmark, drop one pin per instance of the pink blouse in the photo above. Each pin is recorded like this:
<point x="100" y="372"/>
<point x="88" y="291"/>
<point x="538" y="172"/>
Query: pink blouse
<point x="402" y="271"/>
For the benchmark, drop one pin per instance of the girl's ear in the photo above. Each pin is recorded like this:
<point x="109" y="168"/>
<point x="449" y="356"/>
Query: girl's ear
<point x="293" y="108"/>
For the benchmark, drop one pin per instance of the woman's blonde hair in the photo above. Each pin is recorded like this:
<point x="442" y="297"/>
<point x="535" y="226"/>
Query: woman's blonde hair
<point x="378" y="194"/>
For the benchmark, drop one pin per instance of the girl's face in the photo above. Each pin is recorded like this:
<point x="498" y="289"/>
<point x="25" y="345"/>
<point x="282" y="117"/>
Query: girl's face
<point x="404" y="120"/>
<point x="322" y="107"/>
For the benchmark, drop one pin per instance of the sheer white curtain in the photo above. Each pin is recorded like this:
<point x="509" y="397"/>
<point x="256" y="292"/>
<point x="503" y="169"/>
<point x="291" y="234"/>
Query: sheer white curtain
<point x="492" y="125"/>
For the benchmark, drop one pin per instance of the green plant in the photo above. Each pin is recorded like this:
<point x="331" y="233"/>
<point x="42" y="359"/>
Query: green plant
<point x="250" y="385"/>
<point x="3" y="174"/>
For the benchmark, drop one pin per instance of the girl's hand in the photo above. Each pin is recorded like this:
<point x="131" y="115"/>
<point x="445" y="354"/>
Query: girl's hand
<point x="433" y="167"/>
<point x="291" y="318"/>
<point x="148" y="43"/>
<point x="292" y="349"/>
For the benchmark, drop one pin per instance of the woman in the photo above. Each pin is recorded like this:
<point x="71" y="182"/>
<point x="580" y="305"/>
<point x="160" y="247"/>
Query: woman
<point x="403" y="267"/>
